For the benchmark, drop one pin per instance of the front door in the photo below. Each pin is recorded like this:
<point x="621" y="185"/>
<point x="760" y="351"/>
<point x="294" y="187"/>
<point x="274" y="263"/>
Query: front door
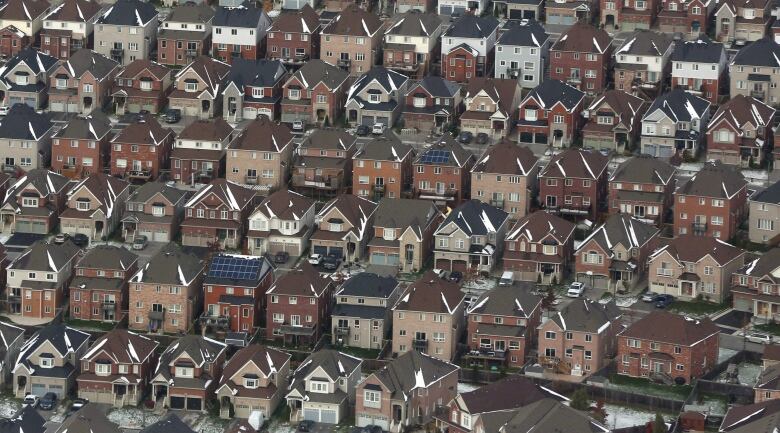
<point x="295" y="320"/>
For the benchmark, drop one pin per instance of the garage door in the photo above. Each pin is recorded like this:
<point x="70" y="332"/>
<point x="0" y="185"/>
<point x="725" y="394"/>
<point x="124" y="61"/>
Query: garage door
<point x="600" y="282"/>
<point x="73" y="107"/>
<point x="57" y="389"/>
<point x="515" y="14"/>
<point x="459" y="265"/>
<point x="265" y="112"/>
<point x="148" y="234"/>
<point x="134" y="108"/>
<point x="445" y="10"/>
<point x="57" y="106"/>
<point x="367" y="120"/>
<point x="190" y="111"/>
<point x="38" y="389"/>
<point x="194" y="403"/>
<point x="14" y="100"/>
<point x="159" y="237"/>
<point x="392" y="259"/>
<point x="443" y="264"/>
<point x="311" y="415"/>
<point x="383" y="120"/>
<point x="364" y="420"/>
<point x="177" y="402"/>
<point x="378" y="259"/>
<point x="338" y="252"/>
<point x="319" y="249"/>
<point x="665" y="151"/>
<point x="249" y="113"/>
<point x="149" y="107"/>
<point x="328" y="416"/>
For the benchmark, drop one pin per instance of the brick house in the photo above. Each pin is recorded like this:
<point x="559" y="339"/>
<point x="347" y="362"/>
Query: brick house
<point x="713" y="203"/>
<point x="298" y="306"/>
<point x="83" y="83"/>
<point x="669" y="127"/>
<point x="254" y="379"/>
<point x="25" y="136"/>
<point x="383" y="168"/>
<point x="34" y="202"/>
<point x="315" y="92"/>
<point x="233" y="300"/>
<point x="218" y="214"/>
<point x="751" y="73"/>
<point x="196" y="89"/>
<point x="362" y="314"/>
<point x="614" y="121"/>
<point x="442" y="172"/>
<point x="154" y="210"/>
<point x="699" y="67"/>
<point x="642" y="187"/>
<point x="142" y="85"/>
<point x="688" y="17"/>
<point x="756" y="289"/>
<point x="629" y="16"/>
<point x="199" y="151"/>
<point x="740" y="132"/>
<point x="323" y="163"/>
<point x="25" y="78"/>
<point x="467" y="48"/>
<point x="294" y="37"/>
<point x="140" y="21"/>
<point x="551" y="114"/>
<point x="186" y="372"/>
<point x="642" y="62"/>
<point x="501" y="326"/>
<point x="667" y="346"/>
<point x="376" y="97"/>
<point x="614" y="255"/>
<point x="740" y="20"/>
<point x="582" y="57"/>
<point x="141" y="150"/>
<point x="386" y="397"/>
<point x="165" y="294"/>
<point x="429" y="318"/>
<point x="69" y="27"/>
<point x="539" y="247"/>
<point x="39" y="277"/>
<point x="239" y="32"/>
<point x="342" y="225"/>
<point x="261" y="155"/>
<point x="411" y="43"/>
<point x="431" y="104"/>
<point x="117" y="368"/>
<point x="94" y="206"/>
<point x="25" y="16"/>
<point x="352" y="40"/>
<point x="12" y="41"/>
<point x="253" y="88"/>
<point x="574" y="183"/>
<point x="767" y="386"/>
<point x="83" y="146"/>
<point x="98" y="291"/>
<point x="185" y="34"/>
<point x="403" y="233"/>
<point x="283" y="221"/>
<point x="689" y="267"/>
<point x="491" y="104"/>
<point x="507" y="172"/>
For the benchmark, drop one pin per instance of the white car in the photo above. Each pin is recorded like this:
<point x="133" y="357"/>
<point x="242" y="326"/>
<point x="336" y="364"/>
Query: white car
<point x="378" y="129"/>
<point x="31" y="400"/>
<point x="315" y="259"/>
<point x="756" y="337"/>
<point x="4" y="110"/>
<point x="576" y="290"/>
<point x="297" y="125"/>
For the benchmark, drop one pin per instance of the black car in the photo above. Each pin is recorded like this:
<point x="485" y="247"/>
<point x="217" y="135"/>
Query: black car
<point x="81" y="240"/>
<point x="663" y="301"/>
<point x="456" y="276"/>
<point x="362" y="130"/>
<point x="465" y="137"/>
<point x="282" y="257"/>
<point x="330" y="263"/>
<point x="305" y="425"/>
<point x="371" y="429"/>
<point x="173" y="115"/>
<point x="482" y="138"/>
<point x="48" y="401"/>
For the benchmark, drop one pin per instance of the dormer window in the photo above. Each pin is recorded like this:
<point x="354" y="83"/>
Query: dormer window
<point x="102" y="368"/>
<point x="374" y="98"/>
<point x="29" y="202"/>
<point x="257" y="92"/>
<point x="294" y="94"/>
<point x="335" y="227"/>
<point x="146" y="84"/>
<point x="22" y="78"/>
<point x="604" y="120"/>
<point x="185" y="371"/>
<point x="389" y="234"/>
<point x="158" y="210"/>
<point x="750" y="14"/>
<point x="251" y="383"/>
<point x="62" y="82"/>
<point x="82" y="204"/>
<point x="46" y="360"/>
<point x="191" y="85"/>
<point x="317" y="386"/>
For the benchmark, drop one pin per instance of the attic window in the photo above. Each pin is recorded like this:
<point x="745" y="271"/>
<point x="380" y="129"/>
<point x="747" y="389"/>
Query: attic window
<point x="191" y="85"/>
<point x="251" y="383"/>
<point x="22" y="78"/>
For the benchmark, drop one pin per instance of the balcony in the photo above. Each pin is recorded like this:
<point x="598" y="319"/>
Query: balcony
<point x="379" y="188"/>
<point x="218" y="321"/>
<point x="574" y="80"/>
<point x="344" y="63"/>
<point x="497" y="203"/>
<point x="297" y="330"/>
<point x="157" y="315"/>
<point x="297" y="59"/>
<point x="250" y="180"/>
<point x="117" y="52"/>
<point x="342" y="331"/>
<point x="402" y="66"/>
<point x="14" y="299"/>
<point x="140" y="174"/>
<point x="438" y="192"/>
<point x="699" y="228"/>
<point x="486" y="354"/>
<point x="420" y="345"/>
<point x="191" y="53"/>
<point x="758" y="94"/>
<point x="109" y="306"/>
<point x="320" y="182"/>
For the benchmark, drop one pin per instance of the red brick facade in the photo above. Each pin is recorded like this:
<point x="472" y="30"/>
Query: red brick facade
<point x="134" y="156"/>
<point x="227" y="52"/>
<point x="460" y="65"/>
<point x="57" y="43"/>
<point x="181" y="52"/>
<point x="12" y="41"/>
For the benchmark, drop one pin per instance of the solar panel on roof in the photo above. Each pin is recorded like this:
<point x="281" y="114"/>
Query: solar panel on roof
<point x="235" y="268"/>
<point x="435" y="157"/>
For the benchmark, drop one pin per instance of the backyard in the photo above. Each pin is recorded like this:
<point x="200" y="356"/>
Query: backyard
<point x="645" y="386"/>
<point x="772" y="328"/>
<point x="696" y="307"/>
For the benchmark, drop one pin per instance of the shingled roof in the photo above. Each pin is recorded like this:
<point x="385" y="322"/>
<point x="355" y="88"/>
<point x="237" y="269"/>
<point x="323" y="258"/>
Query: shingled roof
<point x="216" y="130"/>
<point x="284" y="205"/>
<point x="64" y="339"/>
<point x="303" y="20"/>
<point x="255" y="73"/>
<point x="233" y="195"/>
<point x="413" y="370"/>
<point x="538" y="225"/>
<point x="357" y="211"/>
<point x="122" y="346"/>
<point x="402" y="213"/>
<point x="246" y="16"/>
<point x="389" y="80"/>
<point x="146" y="131"/>
<point x="105" y="189"/>
<point x="194" y="347"/>
<point x="23" y="123"/>
<point x="89" y="419"/>
<point x="664" y="327"/>
<point x="586" y="316"/>
<point x="761" y="417"/>
<point x="506" y="157"/>
<point x="763" y="52"/>
<point x="44" y="181"/>
<point x="333" y="363"/>
<point x="457" y="155"/>
<point x="211" y="71"/>
<point x="620" y="229"/>
<point x="475" y="217"/>
<point x="92" y="127"/>
<point x="386" y="147"/>
<point x="644" y="169"/>
<point x="511" y="392"/>
<point x="318" y="71"/>
<point x="108" y="257"/>
<point x="524" y="33"/>
<point x="431" y="294"/>
<point x="701" y="50"/>
<point x="353" y="21"/>
<point x="75" y="11"/>
<point x="549" y="415"/>
<point x="507" y="301"/>
<point x="414" y="23"/>
<point x="583" y="38"/>
<point x="764" y="267"/>
<point x="305" y="280"/>
<point x="691" y="249"/>
<point x="134" y="13"/>
<point x="552" y="92"/>
<point x="369" y="285"/>
<point x="472" y="27"/>
<point x="576" y="163"/>
<point x="740" y="111"/>
<point x="268" y="359"/>
<point x="138" y="65"/>
<point x="23" y="10"/>
<point x="170" y="265"/>
<point x="646" y="43"/>
<point x="263" y="135"/>
<point x="45" y="257"/>
<point x="38" y="62"/>
<point x="714" y="180"/>
<point x="679" y="106"/>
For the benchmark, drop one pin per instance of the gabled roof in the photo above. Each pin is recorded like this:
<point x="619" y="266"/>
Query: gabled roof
<point x="436" y="86"/>
<point x="85" y="60"/>
<point x="413" y="370"/>
<point x="211" y="71"/>
<point x="92" y="127"/>
<point x="45" y="257"/>
<point x="644" y="169"/>
<point x="368" y="285"/>
<point x="23" y="123"/>
<point x="23" y="10"/>
<point x="538" y="225"/>
<point x="387" y="147"/>
<point x="549" y="415"/>
<point x="414" y="23"/>
<point x="524" y="33"/>
<point x="170" y="423"/>
<point x="303" y="20"/>
<point x="389" y="80"/>
<point x="691" y="249"/>
<point x="645" y="43"/>
<point x="679" y="105"/>
<point x="501" y="90"/>
<point x="8" y="335"/>
<point x="263" y="135"/>
<point x="235" y="196"/>
<point x="89" y="419"/>
<point x="701" y="50"/>
<point x="511" y="392"/>
<point x="247" y="15"/>
<point x="625" y="105"/>
<point x="268" y="359"/>
<point x="108" y="257"/>
<point x="475" y="217"/>
<point x="190" y="13"/>
<point x="214" y="130"/>
<point x="753" y="418"/>
<point x="28" y="420"/>
<point x="75" y="11"/>
<point x="255" y="73"/>
<point x="195" y="347"/>
<point x="146" y="131"/>
<point x="583" y="38"/>
<point x="431" y="294"/>
<point x="148" y="190"/>
<point x="586" y="316"/>
<point x="354" y="21"/>
<point x="763" y="52"/>
<point x="37" y="61"/>
<point x="661" y="326"/>
<point x="65" y="340"/>
<point x="44" y="181"/>
<point x="620" y="229"/>
<point x="734" y="5"/>
<point x="357" y="210"/>
<point x="170" y="265"/>
<point x="138" y="65"/>
<point x="770" y="195"/>
<point x="508" y="301"/>
<point x="318" y="71"/>
<point x="551" y="92"/>
<point x="223" y="267"/>
<point x="576" y="163"/>
<point x="472" y="27"/>
<point x="506" y="157"/>
<point x="402" y="213"/>
<point x="305" y="280"/>
<point x="284" y="205"/>
<point x="134" y="13"/>
<point x="715" y="180"/>
<point x="330" y="138"/>
<point x="445" y="152"/>
<point x="742" y="110"/>
<point x="122" y="347"/>
<point x="333" y="363"/>
<point x="105" y="189"/>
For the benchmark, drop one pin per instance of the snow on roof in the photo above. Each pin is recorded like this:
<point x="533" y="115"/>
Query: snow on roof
<point x="563" y="322"/>
<point x="486" y="221"/>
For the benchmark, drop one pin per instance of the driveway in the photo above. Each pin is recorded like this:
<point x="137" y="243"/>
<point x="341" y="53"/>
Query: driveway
<point x="144" y="255"/>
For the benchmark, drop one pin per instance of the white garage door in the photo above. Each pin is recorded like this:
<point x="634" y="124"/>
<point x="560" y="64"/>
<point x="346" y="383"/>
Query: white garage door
<point x="57" y="106"/>
<point x="73" y="107"/>
<point x="311" y="414"/>
<point x="190" y="111"/>
<point x="160" y="237"/>
<point x="249" y="113"/>
<point x="364" y="420"/>
<point x="38" y="389"/>
<point x="327" y="416"/>
<point x="148" y="234"/>
<point x="265" y="112"/>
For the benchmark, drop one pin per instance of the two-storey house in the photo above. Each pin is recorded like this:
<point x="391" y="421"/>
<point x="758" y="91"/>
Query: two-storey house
<point x="217" y="215"/>
<point x="756" y="289"/>
<point x="699" y="67"/>
<point x="740" y="132"/>
<point x="740" y="20"/>
<point x="196" y="90"/>
<point x="198" y="153"/>
<point x="127" y="31"/>
<point x="98" y="291"/>
<point x="764" y="215"/>
<point x="675" y="123"/>
<point x="282" y="222"/>
<point x="255" y="379"/>
<point x="25" y="79"/>
<point x="642" y="186"/>
<point x="506" y="176"/>
<point x="458" y="8"/>
<point x="261" y="155"/>
<point x="185" y="34"/>
<point x="83" y="146"/>
<point x="352" y="40"/>
<point x="69" y="27"/>
<point x="33" y="203"/>
<point x="12" y="41"/>
<point x="442" y="172"/>
<point x="467" y="48"/>
<point x="431" y="104"/>
<point x="491" y="104"/>
<point x="154" y="210"/>
<point x="690" y="17"/>
<point x="82" y="83"/>
<point x="753" y="72"/>
<point x="344" y="227"/>
<point x="642" y="62"/>
<point x="94" y="206"/>
<point x="315" y="93"/>
<point x="539" y="247"/>
<point x="25" y="137"/>
<point x="323" y="162"/>
<point x="403" y="233"/>
<point x="253" y="88"/>
<point x="10" y="344"/>
<point x="629" y="16"/>
<point x="239" y="32"/>
<point x="294" y="37"/>
<point x="141" y="85"/>
<point x="141" y="150"/>
<point x="568" y="12"/>
<point x="581" y="57"/>
<point x="361" y="315"/>
<point x="551" y="114"/>
<point x="614" y="121"/>
<point x="411" y="41"/>
<point x="382" y="167"/>
<point x="23" y="20"/>
<point x="377" y="96"/>
<point x="522" y="52"/>
<point x="574" y="183"/>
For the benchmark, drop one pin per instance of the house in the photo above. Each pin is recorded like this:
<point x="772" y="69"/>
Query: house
<point x="403" y="233"/>
<point x="322" y="388"/>
<point x="94" y="206"/>
<point x="402" y="6"/>
<point x="740" y="20"/>
<point x="377" y="96"/>
<point x="283" y="221"/>
<point x="91" y="417"/>
<point x="442" y="172"/>
<point x="154" y="210"/>
<point x="752" y="72"/>
<point x="323" y="162"/>
<point x="186" y="373"/>
<point x="185" y="34"/>
<point x="25" y="79"/>
<point x="48" y="361"/>
<point x="614" y="255"/>
<point x="387" y="397"/>
<point x="69" y="27"/>
<point x="342" y="225"/>
<point x="630" y="16"/>
<point x="117" y="368"/>
<point x="500" y="325"/>
<point x="293" y="322"/>
<point x="255" y="379"/>
<point x="33" y="203"/>
<point x="469" y="238"/>
<point x="352" y="40"/>
<point x="383" y="168"/>
<point x="25" y="16"/>
<point x="698" y="67"/>
<point x="689" y="267"/>
<point x="294" y="37"/>
<point x="642" y="62"/>
<point x="217" y="215"/>
<point x="39" y="277"/>
<point x="234" y="290"/>
<point x="458" y="8"/>
<point x="667" y="346"/>
<point x="239" y="32"/>
<point x="25" y="136"/>
<point x="165" y="293"/>
<point x="467" y="48"/>
<point x="568" y="12"/>
<point x="490" y="106"/>
<point x="767" y="386"/>
<point x="539" y="247"/>
<point x="715" y="199"/>
<point x="748" y="418"/>
<point x="261" y="155"/>
<point x="138" y="19"/>
<point x="12" y="338"/>
<point x="362" y="313"/>
<point x="315" y="92"/>
<point x="431" y="104"/>
<point x="614" y="121"/>
<point x="764" y="215"/>
<point x="550" y="114"/>
<point x="198" y="153"/>
<point x="82" y="83"/>
<point x="253" y="88"/>
<point x="643" y="187"/>
<point x="687" y="17"/>
<point x="740" y="132"/>
<point x="197" y="87"/>
<point x="581" y="58"/>
<point x="141" y="150"/>
<point x="506" y="174"/>
<point x="522" y="52"/>
<point x="581" y="338"/>
<point x="411" y="41"/>
<point x="669" y="126"/>
<point x="98" y="291"/>
<point x="519" y="10"/>
<point x="170" y="423"/>
<point x="83" y="146"/>
<point x="12" y="41"/>
<point x="574" y="183"/>
<point x="141" y="85"/>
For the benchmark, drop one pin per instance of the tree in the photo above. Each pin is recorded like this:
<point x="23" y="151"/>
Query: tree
<point x="659" y="426"/>
<point x="579" y="400"/>
<point x="598" y="412"/>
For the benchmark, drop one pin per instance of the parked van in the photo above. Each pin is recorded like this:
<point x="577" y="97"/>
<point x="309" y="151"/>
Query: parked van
<point x="507" y="279"/>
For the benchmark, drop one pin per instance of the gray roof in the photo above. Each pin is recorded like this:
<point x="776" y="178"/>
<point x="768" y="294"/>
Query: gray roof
<point x="586" y="315"/>
<point x="28" y="420"/>
<point x="525" y="33"/>
<point x="678" y="105"/>
<point x="769" y="195"/>
<point x="33" y="58"/>
<point x="701" y="50"/>
<point x="414" y="23"/>
<point x="388" y="79"/>
<point x="361" y="311"/>
<point x="763" y="417"/>
<point x="197" y="348"/>
<point x="108" y="257"/>
<point x="55" y="334"/>
<point x="437" y="86"/>
<point x="335" y="139"/>
<point x="549" y="415"/>
<point x="387" y="147"/>
<point x="551" y="92"/>
<point x="246" y="15"/>
<point x="149" y="189"/>
<point x="92" y="127"/>
<point x="134" y="13"/>
<point x="368" y="285"/>
<point x="400" y="213"/>
<point x="621" y="229"/>
<point x="41" y="256"/>
<point x="511" y="301"/>
<point x="45" y="181"/>
<point x="763" y="52"/>
<point x="23" y="123"/>
<point x="191" y="13"/>
<point x="85" y="60"/>
<point x="316" y="71"/>
<point x="170" y="423"/>
<point x="474" y="217"/>
<point x="714" y="180"/>
<point x="335" y="364"/>
<point x="644" y="169"/>
<point x="474" y="27"/>
<point x="646" y="43"/>
<point x="401" y="375"/>
<point x="9" y="334"/>
<point x="90" y="418"/>
<point x="170" y="266"/>
<point x="459" y="155"/>
<point x="255" y="73"/>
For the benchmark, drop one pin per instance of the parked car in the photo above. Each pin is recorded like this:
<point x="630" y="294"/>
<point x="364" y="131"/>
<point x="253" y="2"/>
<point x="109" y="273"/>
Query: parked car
<point x="139" y="242"/>
<point x="31" y="400"/>
<point x="507" y="278"/>
<point x="305" y="425"/>
<point x="61" y="238"/>
<point x="4" y="110"/>
<point x="49" y="401"/>
<point x="315" y="259"/>
<point x="455" y="276"/>
<point x="282" y="257"/>
<point x="331" y="263"/>
<point x="81" y="240"/>
<point x="78" y="403"/>
<point x="576" y="290"/>
<point x="173" y="115"/>
<point x="297" y="125"/>
<point x="465" y="137"/>
<point x="649" y="296"/>
<point x="757" y="337"/>
<point x="362" y="130"/>
<point x="482" y="138"/>
<point x="663" y="301"/>
<point x="378" y="129"/>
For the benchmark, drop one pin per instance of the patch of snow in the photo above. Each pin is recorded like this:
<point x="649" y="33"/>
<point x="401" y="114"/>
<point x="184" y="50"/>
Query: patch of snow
<point x="622" y="417"/>
<point x="725" y="354"/>
<point x="466" y="387"/>
<point x="131" y="418"/>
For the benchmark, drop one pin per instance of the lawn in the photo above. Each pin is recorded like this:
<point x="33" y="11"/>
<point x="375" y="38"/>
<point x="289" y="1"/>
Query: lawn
<point x="644" y="386"/>
<point x="359" y="352"/>
<point x="696" y="307"/>
<point x="772" y="328"/>
<point x="90" y="324"/>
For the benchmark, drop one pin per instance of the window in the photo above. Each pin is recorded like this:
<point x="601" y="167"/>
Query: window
<point x="317" y="386"/>
<point x="549" y="335"/>
<point x="371" y="398"/>
<point x="251" y="383"/>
